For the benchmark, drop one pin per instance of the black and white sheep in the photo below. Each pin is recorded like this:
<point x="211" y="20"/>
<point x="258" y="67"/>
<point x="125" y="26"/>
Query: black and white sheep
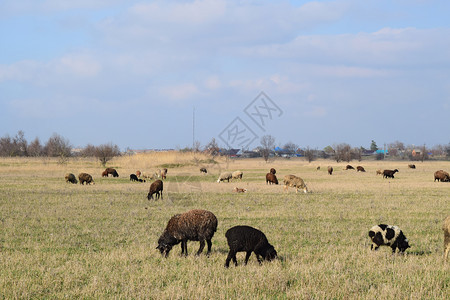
<point x="248" y="239"/>
<point x="71" y="178"/>
<point x="155" y="188"/>
<point x="85" y="178"/>
<point x="412" y="166"/>
<point x="271" y="178"/>
<point x="203" y="171"/>
<point x="194" y="225"/>
<point x="224" y="176"/>
<point x="389" y="173"/>
<point x="388" y="235"/>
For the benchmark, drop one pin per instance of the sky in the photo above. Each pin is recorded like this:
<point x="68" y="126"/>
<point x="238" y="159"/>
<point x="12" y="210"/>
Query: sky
<point x="160" y="74"/>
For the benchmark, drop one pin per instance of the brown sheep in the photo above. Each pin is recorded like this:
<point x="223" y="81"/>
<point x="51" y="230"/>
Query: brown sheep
<point x="164" y="173"/>
<point x="271" y="178"/>
<point x="412" y="166"/>
<point x="330" y="170"/>
<point x="138" y="173"/>
<point x="105" y="173"/>
<point x="194" y="225"/>
<point x="239" y="190"/>
<point x="360" y="169"/>
<point x="85" y="177"/>
<point x="379" y="172"/>
<point x="295" y="182"/>
<point x="446" y="228"/>
<point x="349" y="167"/>
<point x="441" y="176"/>
<point x="273" y="171"/>
<point x="111" y="171"/>
<point x="389" y="173"/>
<point x="156" y="188"/>
<point x="71" y="178"/>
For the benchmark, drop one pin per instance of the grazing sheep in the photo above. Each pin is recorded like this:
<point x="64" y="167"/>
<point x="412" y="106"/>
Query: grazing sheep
<point x="446" y="228"/>
<point x="85" y="177"/>
<point x="360" y="169"/>
<point x="156" y="188"/>
<point x="224" y="176"/>
<point x="138" y="173"/>
<point x="149" y="176"/>
<point x="271" y="178"/>
<point x="273" y="171"/>
<point x="441" y="176"/>
<point x="318" y="168"/>
<point x="133" y="177"/>
<point x="349" y="167"/>
<point x="194" y="225"/>
<point x="71" y="178"/>
<point x="203" y="170"/>
<point x="330" y="170"/>
<point x="388" y="235"/>
<point x="111" y="171"/>
<point x="239" y="190"/>
<point x="248" y="239"/>
<point x="105" y="173"/>
<point x="389" y="173"/>
<point x="237" y="175"/>
<point x="164" y="173"/>
<point x="412" y="166"/>
<point x="295" y="182"/>
<point x="379" y="172"/>
<point x="141" y="180"/>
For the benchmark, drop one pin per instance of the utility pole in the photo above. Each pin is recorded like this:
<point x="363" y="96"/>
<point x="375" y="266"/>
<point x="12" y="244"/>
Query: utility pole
<point x="193" y="127"/>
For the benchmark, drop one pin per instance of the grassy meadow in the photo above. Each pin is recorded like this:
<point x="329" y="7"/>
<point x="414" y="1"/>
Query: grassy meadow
<point x="59" y="240"/>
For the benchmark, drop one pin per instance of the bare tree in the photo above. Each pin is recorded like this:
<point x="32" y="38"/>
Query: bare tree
<point x="267" y="145"/>
<point x="290" y="147"/>
<point x="57" y="146"/>
<point x="89" y="151"/>
<point x="343" y="152"/>
<point x="35" y="148"/>
<point x="106" y="152"/>
<point x="212" y="147"/>
<point x="309" y="154"/>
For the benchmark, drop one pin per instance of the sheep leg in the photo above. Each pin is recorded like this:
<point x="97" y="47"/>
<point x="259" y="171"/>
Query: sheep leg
<point x="161" y="195"/>
<point x="247" y="256"/>
<point x="231" y="255"/>
<point x="200" y="250"/>
<point x="259" y="259"/>
<point x="209" y="246"/>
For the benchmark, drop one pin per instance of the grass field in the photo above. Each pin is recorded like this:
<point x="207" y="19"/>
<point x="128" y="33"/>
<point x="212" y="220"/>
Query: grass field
<point x="59" y="240"/>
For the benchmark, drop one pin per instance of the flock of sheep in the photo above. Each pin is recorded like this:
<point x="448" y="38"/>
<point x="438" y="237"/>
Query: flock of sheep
<point x="200" y="225"/>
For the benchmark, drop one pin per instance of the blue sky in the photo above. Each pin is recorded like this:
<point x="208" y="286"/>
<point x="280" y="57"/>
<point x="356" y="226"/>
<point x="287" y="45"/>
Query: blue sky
<point x="131" y="72"/>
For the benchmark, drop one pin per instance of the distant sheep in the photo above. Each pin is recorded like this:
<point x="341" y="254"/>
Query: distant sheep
<point x="441" y="176"/>
<point x="194" y="225"/>
<point x="389" y="173"/>
<point x="157" y="189"/>
<point x="412" y="166"/>
<point x="111" y="171"/>
<point x="446" y="228"/>
<point x="239" y="190"/>
<point x="271" y="178"/>
<point x="273" y="171"/>
<point x="379" y="172"/>
<point x="164" y="173"/>
<point x="388" y="235"/>
<point x="349" y="167"/>
<point x="237" y="175"/>
<point x="318" y="168"/>
<point x="203" y="170"/>
<point x="105" y="173"/>
<point x="295" y="182"/>
<point x="225" y="176"/>
<point x="149" y="176"/>
<point x="330" y="170"/>
<point x="360" y="169"/>
<point x="248" y="239"/>
<point x="138" y="173"/>
<point x="85" y="178"/>
<point x="133" y="177"/>
<point x="71" y="178"/>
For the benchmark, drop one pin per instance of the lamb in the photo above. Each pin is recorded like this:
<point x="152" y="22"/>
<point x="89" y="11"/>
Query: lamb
<point x="133" y="177"/>
<point x="138" y="173"/>
<point x="446" y="228"/>
<point x="295" y="182"/>
<point x="237" y="175"/>
<point x="164" y="173"/>
<point x="349" y="167"/>
<point x="379" y="172"/>
<point x="71" y="178"/>
<point x="330" y="170"/>
<point x="273" y="171"/>
<point x="412" y="166"/>
<point x="271" y="178"/>
<point x="441" y="176"/>
<point x="225" y="176"/>
<point x="194" y="225"/>
<point x="85" y="177"/>
<point x="389" y="173"/>
<point x="248" y="239"/>
<point x="203" y="170"/>
<point x="360" y="169"/>
<point x="239" y="190"/>
<point x="388" y="235"/>
<point x="156" y="188"/>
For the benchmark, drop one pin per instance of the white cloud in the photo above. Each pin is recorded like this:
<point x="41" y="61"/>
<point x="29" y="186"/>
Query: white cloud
<point x="179" y="92"/>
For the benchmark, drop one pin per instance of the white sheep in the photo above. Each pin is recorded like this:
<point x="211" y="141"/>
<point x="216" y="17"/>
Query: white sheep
<point x="225" y="176"/>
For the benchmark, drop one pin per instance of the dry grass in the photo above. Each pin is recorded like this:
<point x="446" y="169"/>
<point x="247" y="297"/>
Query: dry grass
<point x="62" y="240"/>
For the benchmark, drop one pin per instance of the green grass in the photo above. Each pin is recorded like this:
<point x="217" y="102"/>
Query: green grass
<point x="59" y="240"/>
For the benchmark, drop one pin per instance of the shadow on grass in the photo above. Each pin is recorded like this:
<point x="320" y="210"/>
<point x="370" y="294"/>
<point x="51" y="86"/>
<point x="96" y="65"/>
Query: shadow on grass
<point x="419" y="253"/>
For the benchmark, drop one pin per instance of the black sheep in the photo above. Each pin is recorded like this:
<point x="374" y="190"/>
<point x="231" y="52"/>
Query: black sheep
<point x="389" y="173"/>
<point x="133" y="177"/>
<point x="194" y="225"/>
<point x="248" y="239"/>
